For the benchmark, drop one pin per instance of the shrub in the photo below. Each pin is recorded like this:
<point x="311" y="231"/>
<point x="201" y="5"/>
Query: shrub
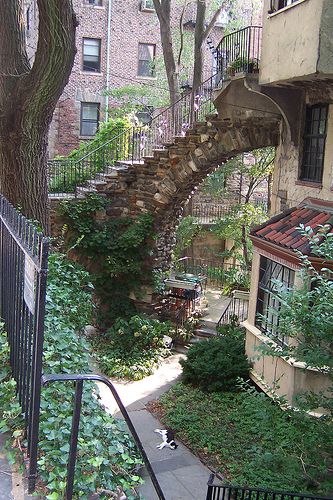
<point x="215" y="364"/>
<point x="132" y="348"/>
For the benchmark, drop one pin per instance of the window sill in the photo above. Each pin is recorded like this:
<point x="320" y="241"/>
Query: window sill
<point x="91" y="73"/>
<point x="146" y="77"/>
<point x="92" y="6"/>
<point x="314" y="184"/>
<point x="272" y="14"/>
<point x="86" y="137"/>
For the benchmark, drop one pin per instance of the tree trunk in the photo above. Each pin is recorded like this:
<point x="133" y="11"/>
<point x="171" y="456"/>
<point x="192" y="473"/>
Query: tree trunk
<point x="28" y="97"/>
<point x="198" y="43"/>
<point x="163" y="11"/>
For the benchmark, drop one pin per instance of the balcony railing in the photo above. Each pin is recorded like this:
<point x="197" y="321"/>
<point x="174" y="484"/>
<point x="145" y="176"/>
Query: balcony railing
<point x="239" y="52"/>
<point x="229" y="492"/>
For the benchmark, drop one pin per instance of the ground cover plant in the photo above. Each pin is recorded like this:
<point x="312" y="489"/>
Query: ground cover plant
<point x="132" y="348"/>
<point x="107" y="456"/>
<point x="250" y="440"/>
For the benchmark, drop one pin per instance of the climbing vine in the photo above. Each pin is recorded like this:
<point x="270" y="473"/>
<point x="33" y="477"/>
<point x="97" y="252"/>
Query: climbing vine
<point x="115" y="250"/>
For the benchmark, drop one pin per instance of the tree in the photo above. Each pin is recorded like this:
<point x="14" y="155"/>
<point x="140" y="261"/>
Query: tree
<point x="28" y="96"/>
<point x="236" y="224"/>
<point x="305" y="314"/>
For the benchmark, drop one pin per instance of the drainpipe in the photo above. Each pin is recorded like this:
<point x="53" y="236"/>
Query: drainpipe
<point x="108" y="61"/>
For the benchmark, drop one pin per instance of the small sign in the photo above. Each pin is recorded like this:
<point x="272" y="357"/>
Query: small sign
<point x="29" y="283"/>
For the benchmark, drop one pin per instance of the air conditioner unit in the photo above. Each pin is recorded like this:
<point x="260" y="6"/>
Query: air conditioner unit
<point x="147" y="5"/>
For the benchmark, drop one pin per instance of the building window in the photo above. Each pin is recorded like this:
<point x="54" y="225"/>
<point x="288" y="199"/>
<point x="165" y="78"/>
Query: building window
<point x="147" y="5"/>
<point x="98" y="3"/>
<point x="89" y="118"/>
<point x="28" y="19"/>
<point x="280" y="4"/>
<point x="271" y="274"/>
<point x="92" y="54"/>
<point x="146" y="59"/>
<point x="314" y="143"/>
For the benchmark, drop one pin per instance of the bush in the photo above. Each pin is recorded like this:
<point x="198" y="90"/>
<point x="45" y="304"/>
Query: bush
<point x="132" y="348"/>
<point x="215" y="364"/>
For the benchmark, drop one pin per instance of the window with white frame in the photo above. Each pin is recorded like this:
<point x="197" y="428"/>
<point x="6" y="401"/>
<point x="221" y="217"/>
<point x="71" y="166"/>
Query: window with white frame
<point x="146" y="59"/>
<point x="147" y="5"/>
<point x="97" y="3"/>
<point x="276" y="5"/>
<point x="89" y="118"/>
<point x="92" y="55"/>
<point x="271" y="276"/>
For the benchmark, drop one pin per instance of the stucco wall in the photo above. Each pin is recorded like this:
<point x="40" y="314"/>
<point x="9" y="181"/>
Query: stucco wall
<point x="287" y="191"/>
<point x="290" y="41"/>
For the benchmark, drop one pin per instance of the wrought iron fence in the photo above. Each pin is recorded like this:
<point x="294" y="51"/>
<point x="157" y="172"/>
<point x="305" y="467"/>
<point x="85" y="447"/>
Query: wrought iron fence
<point x="208" y="212"/>
<point x="23" y="268"/>
<point x="239" y="52"/>
<point x="216" y="272"/>
<point x="229" y="492"/>
<point x="237" y="309"/>
<point x="134" y="143"/>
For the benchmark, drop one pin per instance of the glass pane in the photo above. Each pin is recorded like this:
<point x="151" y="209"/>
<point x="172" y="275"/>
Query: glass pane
<point x="89" y="111"/>
<point x="88" y="128"/>
<point x="91" y="47"/>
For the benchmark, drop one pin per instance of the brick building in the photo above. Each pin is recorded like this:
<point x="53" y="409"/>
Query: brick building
<point x="117" y="42"/>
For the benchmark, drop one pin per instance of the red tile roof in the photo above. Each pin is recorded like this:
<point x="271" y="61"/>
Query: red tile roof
<point x="282" y="230"/>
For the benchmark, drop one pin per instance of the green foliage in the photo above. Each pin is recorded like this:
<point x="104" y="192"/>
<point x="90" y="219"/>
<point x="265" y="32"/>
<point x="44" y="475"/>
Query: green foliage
<point x="131" y="99"/>
<point x="116" y="250"/>
<point x="187" y="230"/>
<point x="107" y="457"/>
<point x="236" y="225"/>
<point x="251" y="441"/>
<point x="216" y="364"/>
<point x="306" y="315"/>
<point x="132" y="348"/>
<point x="109" y="145"/>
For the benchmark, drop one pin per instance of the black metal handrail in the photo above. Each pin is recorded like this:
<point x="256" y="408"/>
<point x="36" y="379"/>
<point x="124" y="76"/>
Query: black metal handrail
<point x="230" y="492"/>
<point x="79" y="379"/>
<point x="239" y="52"/>
<point x="134" y="143"/>
<point x="236" y="310"/>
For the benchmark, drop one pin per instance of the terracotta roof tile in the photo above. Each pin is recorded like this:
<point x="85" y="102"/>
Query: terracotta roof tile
<point x="282" y="230"/>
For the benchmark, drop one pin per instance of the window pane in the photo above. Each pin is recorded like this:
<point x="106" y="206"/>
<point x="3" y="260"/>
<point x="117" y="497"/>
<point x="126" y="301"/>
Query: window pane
<point x="88" y="128"/>
<point x="314" y="143"/>
<point x="146" y="55"/>
<point x="91" y="54"/>
<point x="89" y="118"/>
<point x="90" y="111"/>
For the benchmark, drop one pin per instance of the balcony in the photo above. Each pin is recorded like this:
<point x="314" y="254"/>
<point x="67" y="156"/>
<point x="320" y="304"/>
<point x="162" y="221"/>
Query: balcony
<point x="297" y="45"/>
<point x="239" y="53"/>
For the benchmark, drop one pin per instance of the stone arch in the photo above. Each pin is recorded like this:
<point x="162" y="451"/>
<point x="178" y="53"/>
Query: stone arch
<point x="164" y="183"/>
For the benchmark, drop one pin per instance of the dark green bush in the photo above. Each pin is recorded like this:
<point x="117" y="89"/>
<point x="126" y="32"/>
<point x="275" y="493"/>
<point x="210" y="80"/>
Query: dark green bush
<point x="215" y="364"/>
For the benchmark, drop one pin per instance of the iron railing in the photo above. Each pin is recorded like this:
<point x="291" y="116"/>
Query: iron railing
<point x="208" y="212"/>
<point x="239" y="52"/>
<point x="79" y="380"/>
<point x="23" y="271"/>
<point x="229" y="492"/>
<point x="134" y="143"/>
<point x="237" y="309"/>
<point x="216" y="272"/>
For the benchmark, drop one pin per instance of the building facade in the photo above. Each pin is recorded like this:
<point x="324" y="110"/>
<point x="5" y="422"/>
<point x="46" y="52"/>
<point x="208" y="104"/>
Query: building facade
<point x="118" y="43"/>
<point x="295" y="80"/>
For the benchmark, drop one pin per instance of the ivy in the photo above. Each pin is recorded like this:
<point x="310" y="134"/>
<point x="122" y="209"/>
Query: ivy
<point x="116" y="251"/>
<point x="107" y="456"/>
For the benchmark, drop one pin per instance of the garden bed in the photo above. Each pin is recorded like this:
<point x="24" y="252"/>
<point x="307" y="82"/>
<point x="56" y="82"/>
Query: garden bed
<point x="250" y="440"/>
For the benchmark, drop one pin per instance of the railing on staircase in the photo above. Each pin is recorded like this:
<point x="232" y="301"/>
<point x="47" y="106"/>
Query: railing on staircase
<point x="229" y="492"/>
<point x="240" y="50"/>
<point x="134" y="143"/>
<point x="237" y="309"/>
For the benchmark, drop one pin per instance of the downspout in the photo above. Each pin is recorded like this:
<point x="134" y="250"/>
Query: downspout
<point x="108" y="62"/>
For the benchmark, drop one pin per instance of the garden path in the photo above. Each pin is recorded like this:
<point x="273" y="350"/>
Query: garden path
<point x="180" y="473"/>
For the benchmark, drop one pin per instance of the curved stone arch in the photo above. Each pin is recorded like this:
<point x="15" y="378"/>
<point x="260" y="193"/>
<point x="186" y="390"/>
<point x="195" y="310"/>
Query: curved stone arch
<point x="167" y="184"/>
